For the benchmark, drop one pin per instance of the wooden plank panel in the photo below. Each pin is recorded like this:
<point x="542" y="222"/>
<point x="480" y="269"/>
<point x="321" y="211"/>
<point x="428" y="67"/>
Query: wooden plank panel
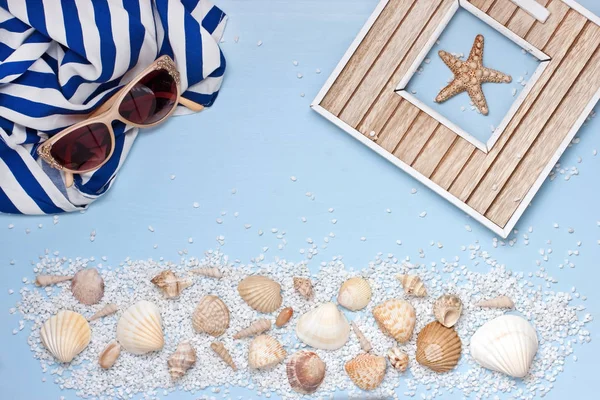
<point x="483" y="5"/>
<point x="502" y="11"/>
<point x="366" y="54"/>
<point x="521" y="23"/>
<point x="398" y="124"/>
<point x="410" y="146"/>
<point x="479" y="163"/>
<point x="540" y="34"/>
<point x="434" y="150"/>
<point x="453" y="162"/>
<point x="537" y="118"/>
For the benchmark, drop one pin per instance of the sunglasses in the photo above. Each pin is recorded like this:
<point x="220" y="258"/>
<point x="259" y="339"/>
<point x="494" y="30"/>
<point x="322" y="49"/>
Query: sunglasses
<point x="147" y="100"/>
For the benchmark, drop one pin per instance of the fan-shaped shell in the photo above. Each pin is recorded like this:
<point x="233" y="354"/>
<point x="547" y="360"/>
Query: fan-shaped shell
<point x="265" y="352"/>
<point x="261" y="293"/>
<point x="182" y="360"/>
<point x="211" y="316"/>
<point x="170" y="284"/>
<point x="88" y="286"/>
<point x="324" y="327"/>
<point x="304" y="286"/>
<point x="506" y="344"/>
<point x="355" y="294"/>
<point x="65" y="335"/>
<point x="305" y="372"/>
<point x="438" y="347"/>
<point x="413" y="285"/>
<point x="398" y="359"/>
<point x="447" y="310"/>
<point x="396" y="318"/>
<point x="366" y="371"/>
<point x="139" y="329"/>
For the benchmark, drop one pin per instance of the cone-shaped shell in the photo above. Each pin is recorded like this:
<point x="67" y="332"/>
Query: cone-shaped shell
<point x="324" y="327"/>
<point x="139" y="329"/>
<point x="366" y="371"/>
<point x="109" y="355"/>
<point x="88" y="286"/>
<point x="396" y="318"/>
<point x="365" y="345"/>
<point x="256" y="328"/>
<point x="265" y="352"/>
<point x="46" y="280"/>
<point x="398" y="359"/>
<point x="355" y="294"/>
<point x="305" y="372"/>
<point x="304" y="286"/>
<point x="65" y="335"/>
<point x="438" y="347"/>
<point x="210" y="272"/>
<point x="413" y="285"/>
<point x="284" y="316"/>
<point x="261" y="293"/>
<point x="447" y="310"/>
<point x="170" y="284"/>
<point x="211" y="316"/>
<point x="222" y="352"/>
<point x="506" y="344"/>
<point x="497" y="302"/>
<point x="105" y="311"/>
<point x="182" y="360"/>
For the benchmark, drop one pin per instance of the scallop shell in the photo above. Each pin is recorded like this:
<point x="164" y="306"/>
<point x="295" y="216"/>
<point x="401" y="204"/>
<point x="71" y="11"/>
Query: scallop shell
<point x="396" y="318"/>
<point x="355" y="294"/>
<point x="324" y="327"/>
<point x="210" y="272"/>
<point x="47" y="280"/>
<point x="255" y="328"/>
<point x="362" y="339"/>
<point x="398" y="359"/>
<point x="305" y="372"/>
<point x="261" y="293"/>
<point x="211" y="316"/>
<point x="88" y="286"/>
<point x="438" y="347"/>
<point x="265" y="352"/>
<point x="222" y="352"/>
<point x="366" y="371"/>
<point x="170" y="284"/>
<point x="506" y="344"/>
<point x="139" y="329"/>
<point x="413" y="285"/>
<point x="65" y="335"/>
<point x="497" y="302"/>
<point x="447" y="309"/>
<point x="182" y="360"/>
<point x="109" y="355"/>
<point x="284" y="316"/>
<point x="304" y="286"/>
<point x="105" y="311"/>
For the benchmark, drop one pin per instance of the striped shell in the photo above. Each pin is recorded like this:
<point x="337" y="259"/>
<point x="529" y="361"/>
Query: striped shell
<point x="139" y="329"/>
<point x="366" y="371"/>
<point x="355" y="294"/>
<point x="438" y="347"/>
<point x="413" y="285"/>
<point x="304" y="286"/>
<point x="305" y="371"/>
<point x="256" y="328"/>
<point x="211" y="316"/>
<point x="324" y="327"/>
<point x="170" y="284"/>
<point x="396" y="318"/>
<point x="265" y="352"/>
<point x="261" y="293"/>
<point x="447" y="310"/>
<point x="182" y="360"/>
<point x="65" y="335"/>
<point x="221" y="351"/>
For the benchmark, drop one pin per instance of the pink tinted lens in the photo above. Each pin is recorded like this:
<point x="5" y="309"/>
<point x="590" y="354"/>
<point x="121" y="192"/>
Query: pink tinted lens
<point x="151" y="99"/>
<point x="83" y="149"/>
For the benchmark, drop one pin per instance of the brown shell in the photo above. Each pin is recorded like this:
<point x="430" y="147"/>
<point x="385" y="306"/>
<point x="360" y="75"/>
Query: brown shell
<point x="447" y="310"/>
<point x="265" y="352"/>
<point x="261" y="293"/>
<point x="413" y="285"/>
<point x="88" y="286"/>
<point x="211" y="316"/>
<point x="256" y="328"/>
<point x="396" y="318"/>
<point x="182" y="360"/>
<point x="438" y="347"/>
<point x="398" y="359"/>
<point x="109" y="355"/>
<point x="305" y="371"/>
<point x="304" y="286"/>
<point x="284" y="316"/>
<point x="170" y="284"/>
<point x="47" y="280"/>
<point x="366" y="371"/>
<point x="222" y="352"/>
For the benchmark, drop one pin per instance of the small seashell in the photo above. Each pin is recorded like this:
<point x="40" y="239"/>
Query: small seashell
<point x="304" y="287"/>
<point x="222" y="352"/>
<point x="413" y="285"/>
<point x="182" y="360"/>
<point x="170" y="284"/>
<point x="47" y="280"/>
<point x="109" y="355"/>
<point x="261" y="293"/>
<point x="305" y="371"/>
<point x="65" y="335"/>
<point x="354" y="294"/>
<point x="211" y="316"/>
<point x="396" y="318"/>
<point x="324" y="327"/>
<point x="284" y="316"/>
<point x="265" y="352"/>
<point x="438" y="347"/>
<point x="105" y="311"/>
<point x="364" y="342"/>
<point x="497" y="302"/>
<point x="139" y="329"/>
<point x="210" y="272"/>
<point x="366" y="371"/>
<point x="88" y="286"/>
<point x="255" y="328"/>
<point x="398" y="359"/>
<point x="447" y="309"/>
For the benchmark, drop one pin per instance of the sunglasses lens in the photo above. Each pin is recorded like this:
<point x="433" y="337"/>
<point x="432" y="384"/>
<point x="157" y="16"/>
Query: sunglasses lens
<point x="151" y="99"/>
<point x="84" y="148"/>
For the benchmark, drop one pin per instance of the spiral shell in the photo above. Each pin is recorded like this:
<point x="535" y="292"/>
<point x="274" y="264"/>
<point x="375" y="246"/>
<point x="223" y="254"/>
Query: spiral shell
<point x="398" y="359"/>
<point x="305" y="372"/>
<point x="497" y="302"/>
<point x="209" y="272"/>
<point x="109" y="355"/>
<point x="170" y="284"/>
<point x="304" y="286"/>
<point x="105" y="311"/>
<point x="438" y="347"/>
<point x="255" y="328"/>
<point x="366" y="371"/>
<point x="396" y="318"/>
<point x="47" y="280"/>
<point x="447" y="310"/>
<point x="139" y="329"/>
<point x="261" y="293"/>
<point x="65" y="335"/>
<point x="221" y="351"/>
<point x="182" y="360"/>
<point x="211" y="316"/>
<point x="265" y="352"/>
<point x="362" y="339"/>
<point x="413" y="285"/>
<point x="88" y="286"/>
<point x="355" y="294"/>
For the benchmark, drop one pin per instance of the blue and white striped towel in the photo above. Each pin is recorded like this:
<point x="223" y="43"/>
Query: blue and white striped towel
<point x="60" y="59"/>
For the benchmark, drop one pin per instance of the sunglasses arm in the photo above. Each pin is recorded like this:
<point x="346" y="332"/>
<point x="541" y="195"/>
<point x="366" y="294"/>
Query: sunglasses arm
<point x="68" y="179"/>
<point x="190" y="104"/>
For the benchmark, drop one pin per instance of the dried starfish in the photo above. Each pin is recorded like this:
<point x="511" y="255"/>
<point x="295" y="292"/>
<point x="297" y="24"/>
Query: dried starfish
<point x="469" y="75"/>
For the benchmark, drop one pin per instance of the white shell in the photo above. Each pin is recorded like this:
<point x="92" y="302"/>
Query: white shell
<point x="354" y="294"/>
<point x="265" y="352"/>
<point x="505" y="344"/>
<point x="65" y="335"/>
<point x="324" y="327"/>
<point x="139" y="330"/>
<point x="497" y="302"/>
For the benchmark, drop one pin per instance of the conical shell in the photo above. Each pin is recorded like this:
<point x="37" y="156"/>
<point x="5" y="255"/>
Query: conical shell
<point x="109" y="355"/>
<point x="47" y="280"/>
<point x="366" y="371"/>
<point x="447" y="310"/>
<point x="396" y="318"/>
<point x="222" y="352"/>
<point x="398" y="359"/>
<point x="265" y="352"/>
<point x="304" y="286"/>
<point x="170" y="284"/>
<point x="210" y="272"/>
<point x="355" y="294"/>
<point x="362" y="339"/>
<point x="261" y="293"/>
<point x="182" y="360"/>
<point x="105" y="311"/>
<point x="305" y="372"/>
<point x="139" y="329"/>
<point x="497" y="302"/>
<point x="88" y="286"/>
<point x="65" y="335"/>
<point x="324" y="327"/>
<point x="438" y="347"/>
<point x="413" y="285"/>
<point x="255" y="328"/>
<point x="284" y="316"/>
<point x="506" y="344"/>
<point x="211" y="316"/>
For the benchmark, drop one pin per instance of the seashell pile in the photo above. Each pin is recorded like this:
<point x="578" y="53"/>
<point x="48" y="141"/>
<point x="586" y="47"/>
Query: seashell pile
<point x="284" y="316"/>
<point x="413" y="285"/>
<point x="438" y="347"/>
<point x="396" y="318"/>
<point x="398" y="359"/>
<point x="324" y="327"/>
<point x="211" y="316"/>
<point x="182" y="360"/>
<point x="221" y="351"/>
<point x="497" y="302"/>
<point x="304" y="286"/>
<point x="170" y="284"/>
<point x="88" y="286"/>
<point x="305" y="371"/>
<point x="366" y="371"/>
<point x="105" y="311"/>
<point x="261" y="293"/>
<point x="109" y="355"/>
<point x="65" y="335"/>
<point x="355" y="294"/>
<point x="255" y="328"/>
<point x="447" y="310"/>
<point x="139" y="330"/>
<point x="265" y="352"/>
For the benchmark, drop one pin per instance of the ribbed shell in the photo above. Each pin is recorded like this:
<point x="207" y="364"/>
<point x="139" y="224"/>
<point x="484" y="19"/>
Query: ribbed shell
<point x="324" y="327"/>
<point x="265" y="352"/>
<point x="355" y="294"/>
<point x="170" y="284"/>
<point x="139" y="329"/>
<point x="182" y="360"/>
<point x="284" y="316"/>
<point x="261" y="293"/>
<point x="211" y="316"/>
<point x="88" y="286"/>
<point x="447" y="310"/>
<point x="438" y="347"/>
<point x="65" y="335"/>
<point x="366" y="371"/>
<point x="305" y="371"/>
<point x="221" y="351"/>
<point x="398" y="359"/>
<point x="304" y="286"/>
<point x="256" y="328"/>
<point x="413" y="285"/>
<point x="109" y="355"/>
<point x="396" y="318"/>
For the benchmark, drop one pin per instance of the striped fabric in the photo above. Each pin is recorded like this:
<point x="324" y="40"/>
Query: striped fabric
<point x="60" y="59"/>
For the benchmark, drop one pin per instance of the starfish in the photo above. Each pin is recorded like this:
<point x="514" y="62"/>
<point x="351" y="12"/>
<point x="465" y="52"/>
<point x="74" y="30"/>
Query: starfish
<point x="469" y="75"/>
